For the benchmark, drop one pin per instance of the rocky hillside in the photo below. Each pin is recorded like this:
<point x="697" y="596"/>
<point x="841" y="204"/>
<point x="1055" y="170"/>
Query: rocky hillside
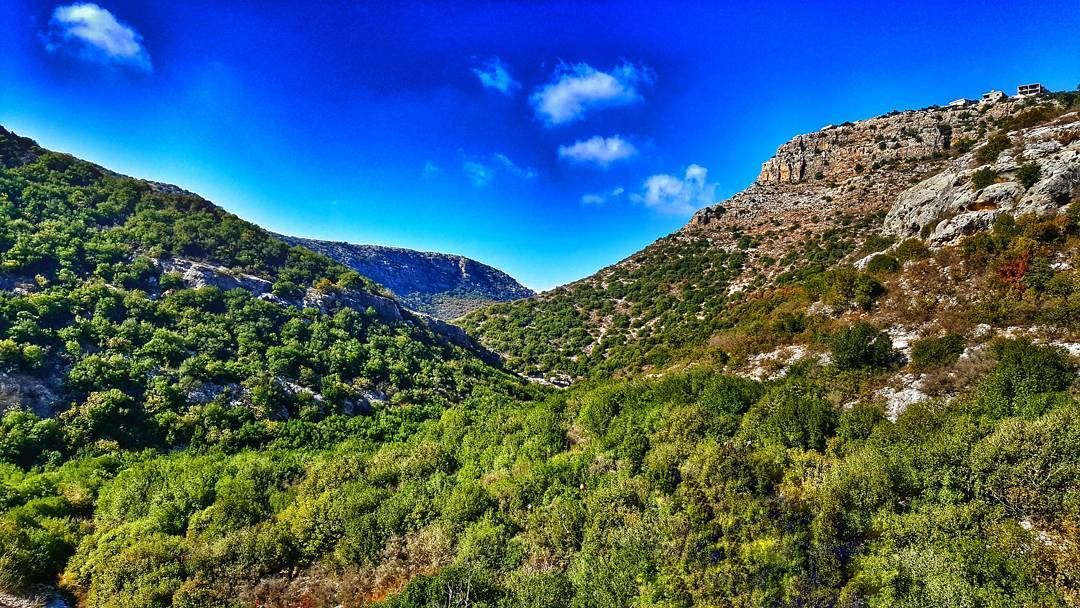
<point x="444" y="285"/>
<point x="805" y="230"/>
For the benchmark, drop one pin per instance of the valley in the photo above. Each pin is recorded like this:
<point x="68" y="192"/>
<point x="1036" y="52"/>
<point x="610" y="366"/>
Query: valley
<point x="852" y="384"/>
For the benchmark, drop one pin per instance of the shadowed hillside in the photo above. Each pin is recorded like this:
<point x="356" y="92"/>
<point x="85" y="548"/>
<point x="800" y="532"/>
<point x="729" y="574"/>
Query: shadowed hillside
<point x="447" y="286"/>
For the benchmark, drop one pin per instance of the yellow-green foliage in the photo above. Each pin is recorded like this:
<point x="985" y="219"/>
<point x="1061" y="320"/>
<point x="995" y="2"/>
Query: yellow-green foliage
<point x="629" y="491"/>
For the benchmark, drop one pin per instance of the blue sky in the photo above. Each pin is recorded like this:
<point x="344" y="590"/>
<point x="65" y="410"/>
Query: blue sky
<point x="548" y="139"/>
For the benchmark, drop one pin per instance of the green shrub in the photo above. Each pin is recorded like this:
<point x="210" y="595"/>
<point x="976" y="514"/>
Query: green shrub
<point x="933" y="353"/>
<point x="1028" y="174"/>
<point x="791" y="323"/>
<point x="1028" y="118"/>
<point x="861" y="346"/>
<point x="845" y="286"/>
<point x="963" y="145"/>
<point x="794" y="414"/>
<point x="911" y="249"/>
<point x="287" y="289"/>
<point x="27" y="440"/>
<point x="35" y="542"/>
<point x="858" y="421"/>
<point x="1072" y="212"/>
<point x="1028" y="379"/>
<point x="875" y="243"/>
<point x="883" y="264"/>
<point x="992" y="149"/>
<point x="983" y="178"/>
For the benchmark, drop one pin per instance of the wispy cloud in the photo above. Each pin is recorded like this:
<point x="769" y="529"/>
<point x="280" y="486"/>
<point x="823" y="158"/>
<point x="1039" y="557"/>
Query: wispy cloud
<point x="599" y="198"/>
<point x="578" y="89"/>
<point x="494" y="74"/>
<point x="478" y="173"/>
<point x="482" y="171"/>
<point x="671" y="194"/>
<point x="92" y="33"/>
<point x="522" y="172"/>
<point x="601" y="151"/>
<point x="431" y="169"/>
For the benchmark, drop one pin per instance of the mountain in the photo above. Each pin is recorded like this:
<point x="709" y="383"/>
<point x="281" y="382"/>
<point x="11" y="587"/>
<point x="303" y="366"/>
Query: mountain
<point x="803" y="233"/>
<point x="447" y="286"/>
<point x="853" y="384"/>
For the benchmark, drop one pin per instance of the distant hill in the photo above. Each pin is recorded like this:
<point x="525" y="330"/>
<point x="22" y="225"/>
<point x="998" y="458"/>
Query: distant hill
<point x="447" y="286"/>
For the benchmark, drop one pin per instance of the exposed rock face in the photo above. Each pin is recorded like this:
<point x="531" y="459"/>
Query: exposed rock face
<point x="385" y="307"/>
<point x="198" y="274"/>
<point x="841" y="152"/>
<point x="949" y="206"/>
<point x="446" y="286"/>
<point x="855" y="169"/>
<point x="873" y="166"/>
<point x="39" y="395"/>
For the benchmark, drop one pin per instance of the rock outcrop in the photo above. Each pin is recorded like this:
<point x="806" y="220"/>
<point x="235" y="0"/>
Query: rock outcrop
<point x="905" y="165"/>
<point x="844" y="151"/>
<point x="948" y="205"/>
<point x="198" y="274"/>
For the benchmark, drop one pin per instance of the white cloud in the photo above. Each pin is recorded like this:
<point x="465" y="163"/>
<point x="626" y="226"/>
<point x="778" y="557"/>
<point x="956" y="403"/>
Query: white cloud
<point x="670" y="194"/>
<point x="599" y="198"/>
<point x="90" y="32"/>
<point x="494" y="74"/>
<point x="431" y="169"/>
<point x="577" y="89"/>
<point x="482" y="172"/>
<point x="601" y="151"/>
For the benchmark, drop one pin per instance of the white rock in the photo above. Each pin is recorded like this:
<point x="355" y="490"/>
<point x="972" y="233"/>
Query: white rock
<point x="898" y="399"/>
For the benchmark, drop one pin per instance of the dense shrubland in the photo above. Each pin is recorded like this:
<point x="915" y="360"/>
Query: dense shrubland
<point x="651" y="310"/>
<point x="695" y="488"/>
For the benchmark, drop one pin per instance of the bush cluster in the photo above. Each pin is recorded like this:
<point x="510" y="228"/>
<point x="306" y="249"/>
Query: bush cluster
<point x="933" y="353"/>
<point x="861" y="346"/>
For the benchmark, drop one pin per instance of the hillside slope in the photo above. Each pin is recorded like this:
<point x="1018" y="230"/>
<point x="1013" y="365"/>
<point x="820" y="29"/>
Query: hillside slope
<point x="823" y="202"/>
<point x="444" y="285"/>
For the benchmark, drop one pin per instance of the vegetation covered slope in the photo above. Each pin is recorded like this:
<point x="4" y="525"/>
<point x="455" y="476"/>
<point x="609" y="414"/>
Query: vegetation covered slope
<point x="797" y="483"/>
<point x="447" y="286"/>
<point x="129" y="319"/>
